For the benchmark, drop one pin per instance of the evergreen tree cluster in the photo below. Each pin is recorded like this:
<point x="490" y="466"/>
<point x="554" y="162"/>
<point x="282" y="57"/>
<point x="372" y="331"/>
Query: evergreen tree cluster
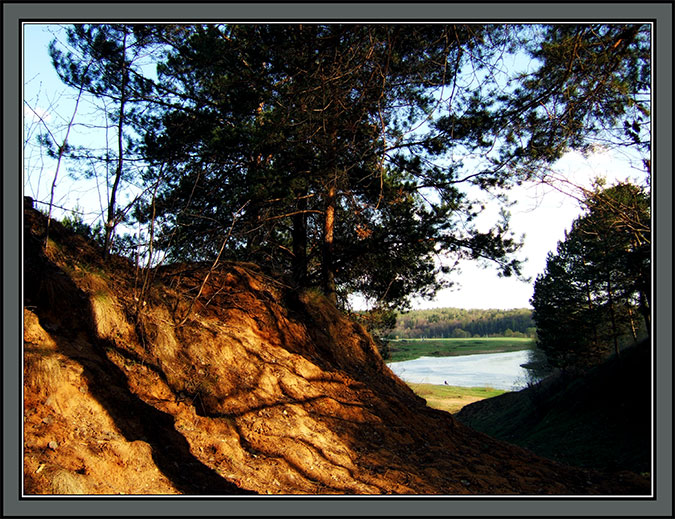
<point x="595" y="294"/>
<point x="354" y="158"/>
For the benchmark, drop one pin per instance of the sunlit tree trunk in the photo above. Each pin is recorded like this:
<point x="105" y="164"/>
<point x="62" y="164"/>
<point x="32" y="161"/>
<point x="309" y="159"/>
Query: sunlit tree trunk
<point x="327" y="255"/>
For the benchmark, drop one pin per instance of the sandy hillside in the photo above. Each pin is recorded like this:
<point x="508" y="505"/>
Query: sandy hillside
<point x="261" y="390"/>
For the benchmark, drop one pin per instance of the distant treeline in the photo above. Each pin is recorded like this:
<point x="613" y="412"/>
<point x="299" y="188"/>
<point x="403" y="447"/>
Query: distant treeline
<point x="463" y="323"/>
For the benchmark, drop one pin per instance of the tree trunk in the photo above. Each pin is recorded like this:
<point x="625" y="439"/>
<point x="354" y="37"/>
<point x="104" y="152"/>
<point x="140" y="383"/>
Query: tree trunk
<point x="610" y="302"/>
<point x="644" y="309"/>
<point x="110" y="222"/>
<point x="327" y="253"/>
<point x="590" y="308"/>
<point x="299" y="262"/>
<point x="633" y="330"/>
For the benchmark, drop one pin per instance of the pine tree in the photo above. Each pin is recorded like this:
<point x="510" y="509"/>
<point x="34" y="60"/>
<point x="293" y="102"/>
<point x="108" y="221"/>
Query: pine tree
<point x="345" y="144"/>
<point x="299" y="122"/>
<point x="584" y="301"/>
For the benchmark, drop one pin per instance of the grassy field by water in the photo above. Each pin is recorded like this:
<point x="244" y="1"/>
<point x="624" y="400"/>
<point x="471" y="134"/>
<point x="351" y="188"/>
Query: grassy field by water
<point x="452" y="398"/>
<point x="409" y="349"/>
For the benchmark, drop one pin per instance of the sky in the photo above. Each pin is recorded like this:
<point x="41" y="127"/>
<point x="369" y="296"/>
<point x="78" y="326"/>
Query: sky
<point x="542" y="214"/>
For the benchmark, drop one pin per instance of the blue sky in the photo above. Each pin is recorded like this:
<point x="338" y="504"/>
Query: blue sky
<point x="541" y="213"/>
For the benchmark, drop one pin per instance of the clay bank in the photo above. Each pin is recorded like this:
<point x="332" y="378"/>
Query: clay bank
<point x="257" y="389"/>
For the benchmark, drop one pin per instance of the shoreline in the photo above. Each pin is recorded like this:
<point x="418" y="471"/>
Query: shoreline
<point x="402" y="350"/>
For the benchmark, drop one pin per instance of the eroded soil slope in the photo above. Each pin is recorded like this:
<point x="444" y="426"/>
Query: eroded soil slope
<point x="261" y="390"/>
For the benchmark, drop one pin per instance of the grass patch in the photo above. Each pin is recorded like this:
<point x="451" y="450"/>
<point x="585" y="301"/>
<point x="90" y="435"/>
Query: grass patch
<point x="102" y="297"/>
<point x="409" y="349"/>
<point x="452" y="398"/>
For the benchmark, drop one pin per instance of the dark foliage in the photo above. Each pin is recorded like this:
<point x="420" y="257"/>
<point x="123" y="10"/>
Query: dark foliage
<point x="594" y="296"/>
<point x="345" y="155"/>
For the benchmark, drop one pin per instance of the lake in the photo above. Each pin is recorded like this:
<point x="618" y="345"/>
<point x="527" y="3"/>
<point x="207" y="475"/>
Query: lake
<point x="497" y="370"/>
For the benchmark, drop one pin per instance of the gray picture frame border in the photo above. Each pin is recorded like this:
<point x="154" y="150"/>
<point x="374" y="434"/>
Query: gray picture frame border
<point x="14" y="13"/>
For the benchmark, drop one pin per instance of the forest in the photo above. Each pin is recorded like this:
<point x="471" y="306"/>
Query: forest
<point x="354" y="159"/>
<point x="462" y="323"/>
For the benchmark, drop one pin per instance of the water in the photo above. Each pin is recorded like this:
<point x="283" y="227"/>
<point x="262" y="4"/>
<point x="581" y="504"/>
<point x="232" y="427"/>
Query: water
<point x="497" y="370"/>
